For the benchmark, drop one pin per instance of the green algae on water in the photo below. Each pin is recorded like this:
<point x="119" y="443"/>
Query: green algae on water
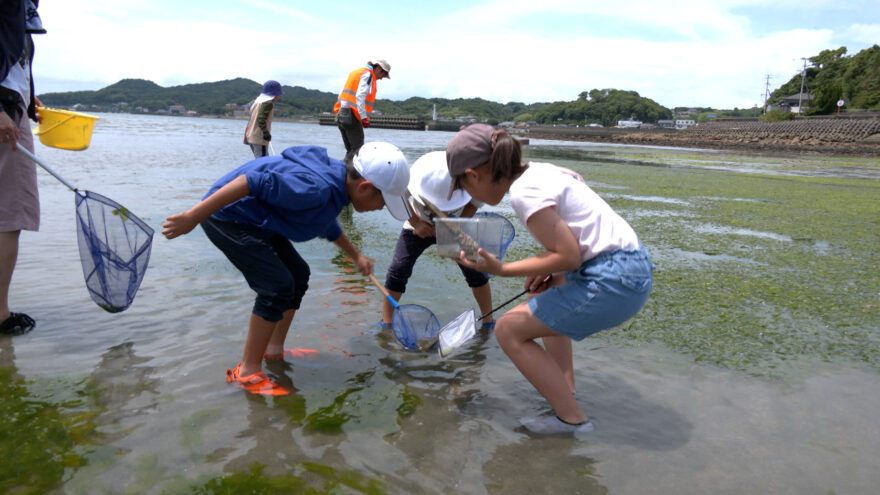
<point x="756" y="271"/>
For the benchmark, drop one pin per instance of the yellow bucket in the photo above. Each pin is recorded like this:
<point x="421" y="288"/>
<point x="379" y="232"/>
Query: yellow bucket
<point x="65" y="129"/>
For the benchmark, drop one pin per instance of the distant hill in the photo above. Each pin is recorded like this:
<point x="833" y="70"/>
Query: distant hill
<point x="833" y="76"/>
<point x="205" y="98"/>
<point x="137" y="95"/>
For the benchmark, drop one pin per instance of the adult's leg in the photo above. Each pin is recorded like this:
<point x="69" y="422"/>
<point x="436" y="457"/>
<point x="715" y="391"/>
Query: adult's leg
<point x="516" y="332"/>
<point x="352" y="137"/>
<point x="19" y="205"/>
<point x="8" y="257"/>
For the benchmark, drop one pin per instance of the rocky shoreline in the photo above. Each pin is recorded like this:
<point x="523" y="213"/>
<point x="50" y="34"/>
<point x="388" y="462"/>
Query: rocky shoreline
<point x="819" y="136"/>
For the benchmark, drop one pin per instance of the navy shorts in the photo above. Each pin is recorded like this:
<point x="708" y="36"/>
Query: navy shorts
<point x="269" y="263"/>
<point x="604" y="292"/>
<point x="408" y="249"/>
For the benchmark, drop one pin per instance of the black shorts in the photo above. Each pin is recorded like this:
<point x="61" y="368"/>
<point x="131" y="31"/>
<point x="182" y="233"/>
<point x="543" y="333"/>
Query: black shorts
<point x="269" y="263"/>
<point x="408" y="249"/>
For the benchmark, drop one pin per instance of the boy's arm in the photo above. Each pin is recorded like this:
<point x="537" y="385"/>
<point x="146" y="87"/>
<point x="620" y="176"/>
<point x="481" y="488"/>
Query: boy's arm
<point x="183" y="222"/>
<point x="364" y="264"/>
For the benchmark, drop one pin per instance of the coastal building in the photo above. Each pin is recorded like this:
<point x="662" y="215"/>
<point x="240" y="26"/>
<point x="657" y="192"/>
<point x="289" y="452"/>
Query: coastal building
<point x="629" y="124"/>
<point x="684" y="123"/>
<point x="666" y="124"/>
<point x="795" y="103"/>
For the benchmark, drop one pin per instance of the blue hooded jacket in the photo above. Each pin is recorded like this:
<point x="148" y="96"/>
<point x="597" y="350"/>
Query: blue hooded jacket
<point x="297" y="195"/>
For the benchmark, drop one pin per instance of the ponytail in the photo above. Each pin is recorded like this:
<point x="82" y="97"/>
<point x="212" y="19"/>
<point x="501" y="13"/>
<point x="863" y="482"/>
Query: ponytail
<point x="506" y="158"/>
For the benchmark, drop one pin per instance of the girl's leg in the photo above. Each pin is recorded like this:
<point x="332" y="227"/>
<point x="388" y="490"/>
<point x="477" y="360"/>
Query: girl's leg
<point x="560" y="348"/>
<point x="516" y="332"/>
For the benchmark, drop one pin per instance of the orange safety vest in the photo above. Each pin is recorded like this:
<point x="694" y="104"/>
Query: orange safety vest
<point x="348" y="95"/>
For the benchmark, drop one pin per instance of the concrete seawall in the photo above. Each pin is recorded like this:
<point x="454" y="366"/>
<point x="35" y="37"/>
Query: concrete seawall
<point x="838" y="136"/>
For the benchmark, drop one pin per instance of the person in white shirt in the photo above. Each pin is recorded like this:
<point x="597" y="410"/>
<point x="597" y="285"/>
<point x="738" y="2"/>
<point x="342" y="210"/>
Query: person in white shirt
<point x="601" y="274"/>
<point x="430" y="179"/>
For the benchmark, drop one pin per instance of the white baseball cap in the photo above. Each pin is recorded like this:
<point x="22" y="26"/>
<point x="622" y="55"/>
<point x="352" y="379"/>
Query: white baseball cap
<point x="384" y="165"/>
<point x="429" y="177"/>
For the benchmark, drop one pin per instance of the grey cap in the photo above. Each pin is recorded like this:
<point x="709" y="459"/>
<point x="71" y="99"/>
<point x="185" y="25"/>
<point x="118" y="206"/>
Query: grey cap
<point x="470" y="148"/>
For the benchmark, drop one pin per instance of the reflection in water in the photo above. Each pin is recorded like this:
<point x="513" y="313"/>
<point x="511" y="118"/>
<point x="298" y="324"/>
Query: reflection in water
<point x="54" y="426"/>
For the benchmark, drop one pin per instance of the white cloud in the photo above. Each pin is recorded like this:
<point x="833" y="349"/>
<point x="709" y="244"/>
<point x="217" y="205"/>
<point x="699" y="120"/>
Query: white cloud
<point x="869" y="34"/>
<point x="476" y="52"/>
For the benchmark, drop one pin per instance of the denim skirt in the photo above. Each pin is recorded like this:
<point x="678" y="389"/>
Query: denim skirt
<point x="604" y="292"/>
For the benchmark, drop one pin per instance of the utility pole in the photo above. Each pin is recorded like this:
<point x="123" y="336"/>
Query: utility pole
<point x="803" y="84"/>
<point x="766" y="92"/>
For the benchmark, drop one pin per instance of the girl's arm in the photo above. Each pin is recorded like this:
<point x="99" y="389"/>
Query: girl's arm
<point x="182" y="223"/>
<point x="364" y="264"/>
<point x="562" y="250"/>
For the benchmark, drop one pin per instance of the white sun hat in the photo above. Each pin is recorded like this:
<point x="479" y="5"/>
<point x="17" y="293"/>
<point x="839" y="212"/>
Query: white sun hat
<point x="429" y="177"/>
<point x="384" y="165"/>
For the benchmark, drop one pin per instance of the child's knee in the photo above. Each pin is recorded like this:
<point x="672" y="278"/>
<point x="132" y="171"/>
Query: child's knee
<point x="503" y="333"/>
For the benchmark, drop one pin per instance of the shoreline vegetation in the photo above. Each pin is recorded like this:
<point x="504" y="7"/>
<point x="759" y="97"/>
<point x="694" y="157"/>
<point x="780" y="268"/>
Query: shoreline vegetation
<point x="843" y="137"/>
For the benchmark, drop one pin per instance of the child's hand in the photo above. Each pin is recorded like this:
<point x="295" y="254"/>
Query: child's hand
<point x="178" y="225"/>
<point x="364" y="265"/>
<point x="537" y="284"/>
<point x="487" y="264"/>
<point x="422" y="229"/>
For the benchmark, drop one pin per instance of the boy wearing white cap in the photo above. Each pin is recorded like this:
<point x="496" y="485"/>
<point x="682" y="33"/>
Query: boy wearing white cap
<point x="254" y="212"/>
<point x="429" y="178"/>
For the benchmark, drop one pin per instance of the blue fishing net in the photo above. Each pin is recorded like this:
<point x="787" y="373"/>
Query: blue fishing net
<point x="507" y="231"/>
<point x="114" y="247"/>
<point x="415" y="326"/>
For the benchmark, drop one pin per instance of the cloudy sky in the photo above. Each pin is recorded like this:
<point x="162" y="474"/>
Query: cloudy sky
<point x="714" y="53"/>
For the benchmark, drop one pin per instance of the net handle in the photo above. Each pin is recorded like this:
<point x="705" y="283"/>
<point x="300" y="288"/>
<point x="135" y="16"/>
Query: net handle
<point x="384" y="292"/>
<point x="45" y="167"/>
<point x="505" y="303"/>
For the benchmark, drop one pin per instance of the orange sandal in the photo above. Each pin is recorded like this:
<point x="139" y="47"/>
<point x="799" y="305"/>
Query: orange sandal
<point x="257" y="383"/>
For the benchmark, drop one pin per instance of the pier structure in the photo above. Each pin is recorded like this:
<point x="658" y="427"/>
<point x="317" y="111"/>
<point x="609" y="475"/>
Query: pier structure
<point x="409" y="122"/>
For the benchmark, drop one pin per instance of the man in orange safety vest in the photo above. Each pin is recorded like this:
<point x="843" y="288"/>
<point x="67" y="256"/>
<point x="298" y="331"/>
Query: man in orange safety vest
<point x="355" y="103"/>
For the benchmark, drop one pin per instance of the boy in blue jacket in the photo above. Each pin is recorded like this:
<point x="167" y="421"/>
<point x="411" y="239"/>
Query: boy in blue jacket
<point x="253" y="212"/>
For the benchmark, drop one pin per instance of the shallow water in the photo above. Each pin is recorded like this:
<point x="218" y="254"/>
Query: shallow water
<point x="753" y="369"/>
